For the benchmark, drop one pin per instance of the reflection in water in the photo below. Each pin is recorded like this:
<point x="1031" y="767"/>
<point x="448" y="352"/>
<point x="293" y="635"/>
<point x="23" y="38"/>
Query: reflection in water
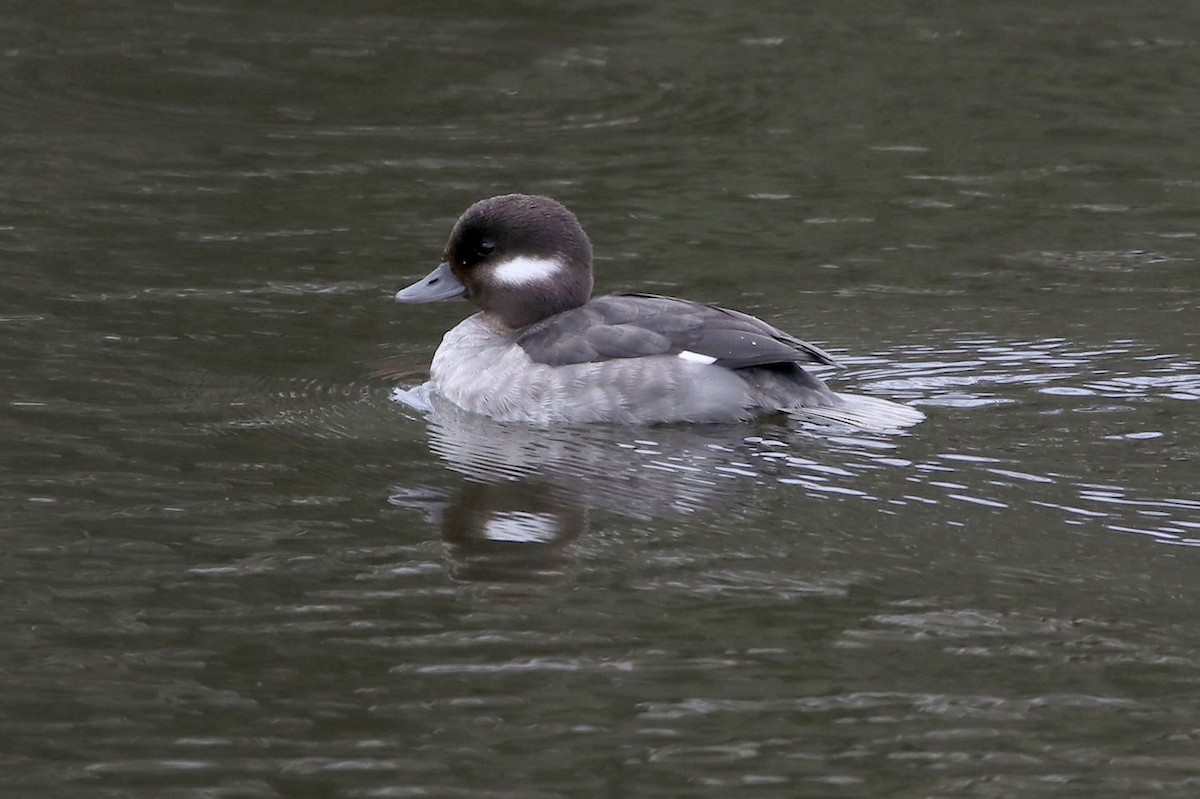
<point x="675" y="471"/>
<point x="1026" y="402"/>
<point x="529" y="488"/>
<point x="511" y="535"/>
<point x="639" y="472"/>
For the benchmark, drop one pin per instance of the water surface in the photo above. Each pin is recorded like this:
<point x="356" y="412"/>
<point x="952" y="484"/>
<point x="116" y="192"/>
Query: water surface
<point x="234" y="566"/>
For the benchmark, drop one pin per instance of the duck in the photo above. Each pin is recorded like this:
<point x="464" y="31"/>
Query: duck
<point x="542" y="350"/>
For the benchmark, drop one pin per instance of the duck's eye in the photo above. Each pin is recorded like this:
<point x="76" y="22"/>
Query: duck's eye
<point x="469" y="253"/>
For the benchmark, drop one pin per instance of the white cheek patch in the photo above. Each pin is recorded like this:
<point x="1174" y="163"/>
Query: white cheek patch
<point x="523" y="270"/>
<point x="696" y="357"/>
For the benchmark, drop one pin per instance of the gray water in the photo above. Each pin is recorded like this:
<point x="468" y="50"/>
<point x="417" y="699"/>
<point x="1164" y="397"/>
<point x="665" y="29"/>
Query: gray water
<point x="234" y="566"/>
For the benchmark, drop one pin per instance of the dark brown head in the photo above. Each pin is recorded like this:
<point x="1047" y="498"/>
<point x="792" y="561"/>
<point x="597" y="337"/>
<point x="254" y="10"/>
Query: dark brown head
<point x="519" y="257"/>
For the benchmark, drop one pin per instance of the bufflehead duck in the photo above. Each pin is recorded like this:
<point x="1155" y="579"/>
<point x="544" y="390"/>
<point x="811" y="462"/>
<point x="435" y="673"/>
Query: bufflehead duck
<point x="543" y="351"/>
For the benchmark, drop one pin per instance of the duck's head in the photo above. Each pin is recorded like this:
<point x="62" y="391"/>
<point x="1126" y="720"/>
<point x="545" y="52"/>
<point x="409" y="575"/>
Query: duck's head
<point x="519" y="257"/>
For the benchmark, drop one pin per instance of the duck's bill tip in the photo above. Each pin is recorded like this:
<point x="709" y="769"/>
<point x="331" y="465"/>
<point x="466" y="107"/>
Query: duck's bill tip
<point x="440" y="284"/>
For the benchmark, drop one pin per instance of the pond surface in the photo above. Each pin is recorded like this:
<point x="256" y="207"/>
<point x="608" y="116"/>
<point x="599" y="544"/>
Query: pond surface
<point x="234" y="566"/>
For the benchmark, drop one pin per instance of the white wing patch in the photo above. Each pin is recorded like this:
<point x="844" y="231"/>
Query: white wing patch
<point x="696" y="357"/>
<point x="523" y="270"/>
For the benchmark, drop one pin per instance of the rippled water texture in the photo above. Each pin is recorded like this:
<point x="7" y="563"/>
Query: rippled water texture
<point x="246" y="555"/>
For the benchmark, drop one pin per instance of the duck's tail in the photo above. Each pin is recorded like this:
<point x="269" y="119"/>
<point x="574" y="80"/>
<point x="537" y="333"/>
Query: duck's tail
<point x="864" y="413"/>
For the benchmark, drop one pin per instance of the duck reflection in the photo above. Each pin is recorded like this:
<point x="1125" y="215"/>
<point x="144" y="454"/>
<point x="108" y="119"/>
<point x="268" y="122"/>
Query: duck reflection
<point x="510" y="534"/>
<point x="529" y="489"/>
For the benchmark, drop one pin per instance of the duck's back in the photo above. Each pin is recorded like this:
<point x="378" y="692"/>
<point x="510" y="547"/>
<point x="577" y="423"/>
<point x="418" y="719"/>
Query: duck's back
<point x="641" y="325"/>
